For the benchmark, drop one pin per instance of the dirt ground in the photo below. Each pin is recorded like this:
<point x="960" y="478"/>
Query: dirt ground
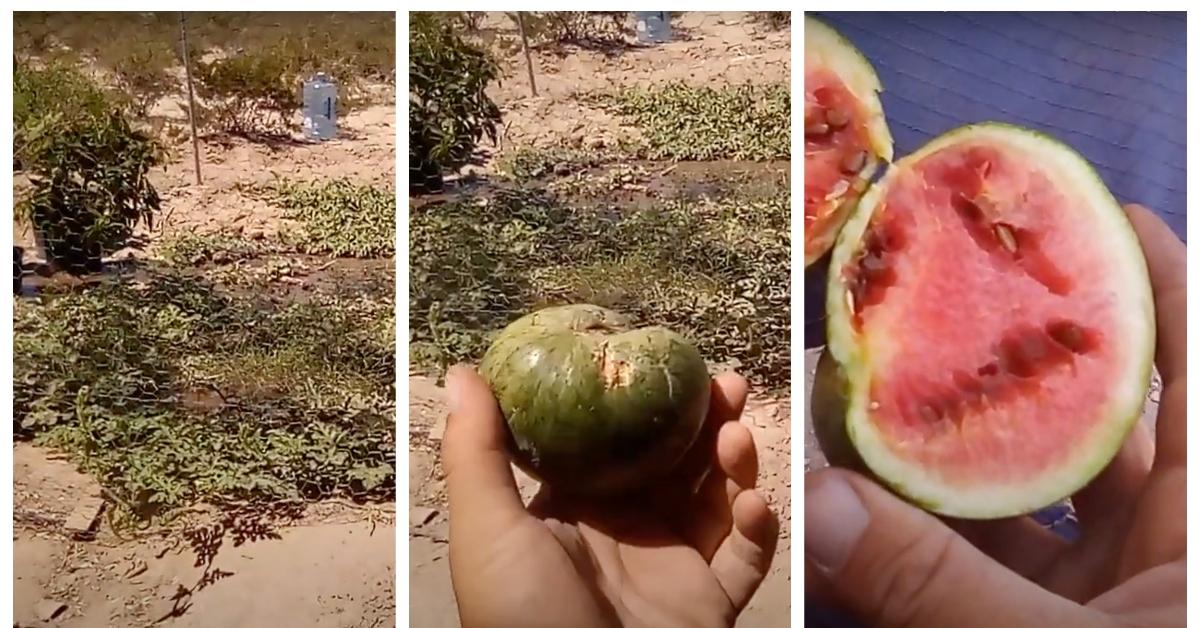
<point x="334" y="565"/>
<point x="712" y="49"/>
<point x="336" y="560"/>
<point x="709" y="48"/>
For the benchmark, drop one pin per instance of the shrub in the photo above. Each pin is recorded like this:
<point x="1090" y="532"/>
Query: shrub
<point x="88" y="166"/>
<point x="449" y="109"/>
<point x="341" y="218"/>
<point x="251" y="93"/>
<point x="142" y="72"/>
<point x="774" y="20"/>
<point x="575" y="27"/>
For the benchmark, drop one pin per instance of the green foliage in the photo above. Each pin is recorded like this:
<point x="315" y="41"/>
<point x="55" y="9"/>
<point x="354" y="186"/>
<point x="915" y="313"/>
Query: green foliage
<point x="528" y="162"/>
<point x="575" y="27"/>
<point x="171" y="393"/>
<point x="88" y="166"/>
<point x="715" y="271"/>
<point x="702" y="123"/>
<point x="774" y="20"/>
<point x="250" y="93"/>
<point x="449" y="109"/>
<point x="192" y="249"/>
<point x="143" y="72"/>
<point x="341" y="218"/>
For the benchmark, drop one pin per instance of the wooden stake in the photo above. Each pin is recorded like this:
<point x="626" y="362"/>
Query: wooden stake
<point x="525" y="46"/>
<point x="187" y="68"/>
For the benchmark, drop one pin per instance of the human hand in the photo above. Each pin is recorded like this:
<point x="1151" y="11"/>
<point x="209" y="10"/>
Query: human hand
<point x="679" y="558"/>
<point x="893" y="565"/>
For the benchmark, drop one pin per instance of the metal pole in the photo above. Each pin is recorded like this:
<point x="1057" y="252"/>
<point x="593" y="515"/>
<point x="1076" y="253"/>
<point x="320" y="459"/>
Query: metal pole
<point x="187" y="68"/>
<point x="525" y="45"/>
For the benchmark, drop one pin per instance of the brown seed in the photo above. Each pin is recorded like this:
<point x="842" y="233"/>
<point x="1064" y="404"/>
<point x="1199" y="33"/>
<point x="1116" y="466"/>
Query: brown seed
<point x="1005" y="234"/>
<point x="816" y="129"/>
<point x="1067" y="334"/>
<point x="837" y="117"/>
<point x="853" y="163"/>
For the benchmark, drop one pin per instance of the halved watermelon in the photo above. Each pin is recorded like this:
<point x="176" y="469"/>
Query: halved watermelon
<point x="845" y="133"/>
<point x="990" y="326"/>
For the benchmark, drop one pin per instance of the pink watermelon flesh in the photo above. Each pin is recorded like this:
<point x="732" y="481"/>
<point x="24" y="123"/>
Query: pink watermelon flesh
<point x="832" y="158"/>
<point x="1008" y="342"/>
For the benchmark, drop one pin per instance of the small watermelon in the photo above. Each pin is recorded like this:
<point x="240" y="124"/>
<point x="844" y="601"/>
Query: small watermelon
<point x="845" y="134"/>
<point x="990" y="326"/>
<point x="594" y="405"/>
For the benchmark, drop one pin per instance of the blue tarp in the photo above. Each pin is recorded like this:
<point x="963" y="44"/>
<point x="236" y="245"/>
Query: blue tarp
<point x="1111" y="85"/>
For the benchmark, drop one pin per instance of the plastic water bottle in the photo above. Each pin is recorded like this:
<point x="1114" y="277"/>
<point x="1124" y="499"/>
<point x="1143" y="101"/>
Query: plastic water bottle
<point x="320" y="108"/>
<point x="653" y="26"/>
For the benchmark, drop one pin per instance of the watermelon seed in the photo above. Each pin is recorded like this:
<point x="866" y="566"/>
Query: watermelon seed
<point x="839" y="189"/>
<point x="874" y="405"/>
<point x="1005" y="235"/>
<point x="1069" y="335"/>
<point x="816" y="130"/>
<point x="853" y="163"/>
<point x="837" y="117"/>
<point x="967" y="208"/>
<point x="850" y="301"/>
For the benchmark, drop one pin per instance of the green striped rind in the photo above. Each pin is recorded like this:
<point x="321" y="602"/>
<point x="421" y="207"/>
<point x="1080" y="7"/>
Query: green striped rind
<point x="824" y="47"/>
<point x="578" y="432"/>
<point x="850" y="364"/>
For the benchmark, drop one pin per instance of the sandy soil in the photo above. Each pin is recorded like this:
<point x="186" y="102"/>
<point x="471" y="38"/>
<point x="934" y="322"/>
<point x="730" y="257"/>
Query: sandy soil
<point x="711" y="48"/>
<point x="332" y="567"/>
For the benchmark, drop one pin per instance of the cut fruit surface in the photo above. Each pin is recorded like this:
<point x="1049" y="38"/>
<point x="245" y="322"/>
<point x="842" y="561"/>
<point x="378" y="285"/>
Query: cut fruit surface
<point x="845" y="134"/>
<point x="990" y="325"/>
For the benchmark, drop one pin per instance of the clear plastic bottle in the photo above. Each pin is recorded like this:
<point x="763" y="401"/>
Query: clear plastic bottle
<point x="653" y="26"/>
<point x="320" y="108"/>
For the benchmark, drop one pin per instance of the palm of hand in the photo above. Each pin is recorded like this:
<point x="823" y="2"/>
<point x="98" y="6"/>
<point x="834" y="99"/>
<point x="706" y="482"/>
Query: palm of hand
<point x="675" y="558"/>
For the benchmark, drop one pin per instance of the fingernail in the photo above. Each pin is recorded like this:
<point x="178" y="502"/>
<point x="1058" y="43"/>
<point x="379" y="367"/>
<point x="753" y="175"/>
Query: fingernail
<point x="834" y="520"/>
<point x="454" y="387"/>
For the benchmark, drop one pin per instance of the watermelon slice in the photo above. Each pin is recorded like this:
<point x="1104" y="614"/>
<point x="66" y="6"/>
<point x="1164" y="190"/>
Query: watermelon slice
<point x="845" y="134"/>
<point x="990" y="326"/>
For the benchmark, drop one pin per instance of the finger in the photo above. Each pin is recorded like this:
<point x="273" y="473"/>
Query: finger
<point x="1020" y="544"/>
<point x="707" y="518"/>
<point x="736" y="455"/>
<point x="705" y="525"/>
<point x="727" y="398"/>
<point x="894" y="565"/>
<point x="1116" y="489"/>
<point x="479" y="479"/>
<point x="742" y="561"/>
<point x="1166" y="260"/>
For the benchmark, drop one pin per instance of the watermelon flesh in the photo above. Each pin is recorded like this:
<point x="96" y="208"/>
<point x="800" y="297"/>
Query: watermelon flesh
<point x="991" y="325"/>
<point x="836" y="151"/>
<point x="845" y="134"/>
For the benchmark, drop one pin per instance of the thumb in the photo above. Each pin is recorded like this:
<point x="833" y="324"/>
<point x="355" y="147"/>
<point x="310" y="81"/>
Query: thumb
<point x="479" y="479"/>
<point x="893" y="565"/>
